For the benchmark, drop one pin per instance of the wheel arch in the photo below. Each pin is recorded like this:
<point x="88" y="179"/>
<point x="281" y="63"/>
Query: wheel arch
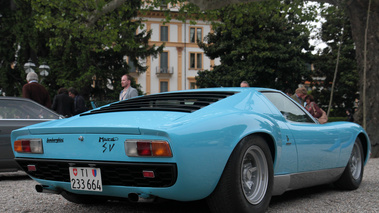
<point x="268" y="138"/>
<point x="365" y="145"/>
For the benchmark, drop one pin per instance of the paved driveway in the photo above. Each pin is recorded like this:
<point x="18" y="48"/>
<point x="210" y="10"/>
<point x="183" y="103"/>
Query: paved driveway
<point x="18" y="195"/>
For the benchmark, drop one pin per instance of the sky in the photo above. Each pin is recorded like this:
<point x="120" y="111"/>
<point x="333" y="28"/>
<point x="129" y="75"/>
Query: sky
<point x="318" y="43"/>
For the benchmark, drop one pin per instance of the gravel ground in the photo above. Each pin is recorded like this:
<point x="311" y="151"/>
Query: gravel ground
<point x="18" y="195"/>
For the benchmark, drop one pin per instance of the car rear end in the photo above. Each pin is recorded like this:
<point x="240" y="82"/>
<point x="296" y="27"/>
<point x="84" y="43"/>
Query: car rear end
<point x="121" y="150"/>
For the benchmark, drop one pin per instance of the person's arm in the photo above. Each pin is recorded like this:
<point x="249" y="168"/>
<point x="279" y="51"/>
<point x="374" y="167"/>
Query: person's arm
<point x="48" y="101"/>
<point x="25" y="92"/>
<point x="318" y="110"/>
<point x="81" y="105"/>
<point x="54" y="105"/>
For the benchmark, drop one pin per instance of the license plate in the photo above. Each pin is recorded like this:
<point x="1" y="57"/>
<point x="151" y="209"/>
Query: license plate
<point x="86" y="178"/>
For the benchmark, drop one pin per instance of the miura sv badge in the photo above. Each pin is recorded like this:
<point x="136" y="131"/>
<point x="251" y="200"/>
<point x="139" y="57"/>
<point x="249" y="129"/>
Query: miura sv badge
<point x="81" y="138"/>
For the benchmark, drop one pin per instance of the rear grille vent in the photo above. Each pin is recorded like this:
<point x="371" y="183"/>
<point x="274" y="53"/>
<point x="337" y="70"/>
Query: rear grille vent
<point x="112" y="173"/>
<point x="179" y="101"/>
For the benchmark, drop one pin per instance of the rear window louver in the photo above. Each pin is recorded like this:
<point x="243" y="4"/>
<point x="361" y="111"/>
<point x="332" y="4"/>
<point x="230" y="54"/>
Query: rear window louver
<point x="178" y="102"/>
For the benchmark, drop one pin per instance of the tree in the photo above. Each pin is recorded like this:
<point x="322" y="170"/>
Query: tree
<point x="335" y="32"/>
<point x="82" y="41"/>
<point x="264" y="43"/>
<point x="367" y="44"/>
<point x="360" y="13"/>
<point x="16" y="31"/>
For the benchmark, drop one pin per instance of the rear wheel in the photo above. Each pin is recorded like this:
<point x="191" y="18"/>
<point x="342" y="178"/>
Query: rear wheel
<point x="352" y="176"/>
<point x="246" y="183"/>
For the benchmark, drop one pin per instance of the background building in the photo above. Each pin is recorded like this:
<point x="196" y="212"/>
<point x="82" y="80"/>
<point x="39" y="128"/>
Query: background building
<point x="176" y="67"/>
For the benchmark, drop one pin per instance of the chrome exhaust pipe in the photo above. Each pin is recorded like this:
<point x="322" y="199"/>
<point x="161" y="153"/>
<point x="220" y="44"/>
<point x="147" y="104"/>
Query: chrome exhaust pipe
<point x="140" y="198"/>
<point x="43" y="189"/>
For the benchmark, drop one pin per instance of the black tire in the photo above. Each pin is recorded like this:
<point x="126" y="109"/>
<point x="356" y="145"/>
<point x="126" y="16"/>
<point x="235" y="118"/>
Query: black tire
<point x="83" y="199"/>
<point x="247" y="181"/>
<point x="352" y="176"/>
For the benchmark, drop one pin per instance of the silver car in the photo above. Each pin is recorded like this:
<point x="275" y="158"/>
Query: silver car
<point x="16" y="113"/>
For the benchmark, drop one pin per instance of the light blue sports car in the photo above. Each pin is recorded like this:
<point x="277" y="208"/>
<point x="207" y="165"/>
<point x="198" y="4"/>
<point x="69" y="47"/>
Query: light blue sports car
<point x="236" y="147"/>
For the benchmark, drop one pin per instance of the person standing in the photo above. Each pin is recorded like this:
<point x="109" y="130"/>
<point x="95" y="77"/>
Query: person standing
<point x="35" y="91"/>
<point x="63" y="104"/>
<point x="299" y="95"/>
<point x="79" y="102"/>
<point x="312" y="107"/>
<point x="349" y="114"/>
<point x="128" y="91"/>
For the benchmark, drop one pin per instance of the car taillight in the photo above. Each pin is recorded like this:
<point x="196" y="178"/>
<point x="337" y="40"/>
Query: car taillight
<point x="28" y="146"/>
<point x="147" y="148"/>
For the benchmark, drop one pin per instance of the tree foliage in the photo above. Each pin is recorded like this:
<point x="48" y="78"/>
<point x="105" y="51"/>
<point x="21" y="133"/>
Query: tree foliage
<point x="264" y="43"/>
<point x="17" y="32"/>
<point x="335" y="31"/>
<point x="83" y="43"/>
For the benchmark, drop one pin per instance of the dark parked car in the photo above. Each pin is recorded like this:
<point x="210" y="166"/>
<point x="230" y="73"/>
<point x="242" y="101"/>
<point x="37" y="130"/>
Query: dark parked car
<point x="16" y="113"/>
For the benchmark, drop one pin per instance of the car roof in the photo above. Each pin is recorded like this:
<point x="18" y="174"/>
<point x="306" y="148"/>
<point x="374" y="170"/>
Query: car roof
<point x="231" y="89"/>
<point x="13" y="98"/>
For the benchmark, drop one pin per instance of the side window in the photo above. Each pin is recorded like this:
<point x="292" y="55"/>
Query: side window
<point x="287" y="107"/>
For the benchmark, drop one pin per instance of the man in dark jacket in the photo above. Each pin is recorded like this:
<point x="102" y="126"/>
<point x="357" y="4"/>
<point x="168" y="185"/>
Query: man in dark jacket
<point x="79" y="102"/>
<point x="63" y="104"/>
<point x="35" y="91"/>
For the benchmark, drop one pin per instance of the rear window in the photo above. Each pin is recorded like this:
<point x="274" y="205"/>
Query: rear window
<point x="21" y="109"/>
<point x="178" y="101"/>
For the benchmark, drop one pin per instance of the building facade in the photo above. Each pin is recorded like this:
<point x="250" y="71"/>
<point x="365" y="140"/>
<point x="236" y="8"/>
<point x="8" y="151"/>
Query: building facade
<point x="176" y="67"/>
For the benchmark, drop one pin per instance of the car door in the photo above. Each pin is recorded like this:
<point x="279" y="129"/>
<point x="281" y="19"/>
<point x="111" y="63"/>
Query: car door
<point x="315" y="143"/>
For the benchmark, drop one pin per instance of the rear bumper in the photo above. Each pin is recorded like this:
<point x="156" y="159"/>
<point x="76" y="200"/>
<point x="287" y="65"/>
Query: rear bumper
<point x="112" y="173"/>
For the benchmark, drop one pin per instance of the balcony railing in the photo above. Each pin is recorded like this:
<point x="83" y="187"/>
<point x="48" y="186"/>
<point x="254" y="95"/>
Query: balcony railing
<point x="164" y="71"/>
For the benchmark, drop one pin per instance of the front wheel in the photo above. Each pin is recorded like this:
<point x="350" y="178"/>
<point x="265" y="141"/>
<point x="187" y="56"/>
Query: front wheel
<point x="352" y="176"/>
<point x="247" y="181"/>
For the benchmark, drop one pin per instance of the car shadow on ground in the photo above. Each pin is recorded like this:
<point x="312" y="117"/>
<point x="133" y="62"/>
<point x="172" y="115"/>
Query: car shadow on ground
<point x="306" y="193"/>
<point x="10" y="176"/>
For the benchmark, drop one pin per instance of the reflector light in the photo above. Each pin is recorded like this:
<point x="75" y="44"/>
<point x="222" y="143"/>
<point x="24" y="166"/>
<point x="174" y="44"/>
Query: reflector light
<point x="28" y="146"/>
<point x="147" y="148"/>
<point x="32" y="168"/>
<point x="148" y="174"/>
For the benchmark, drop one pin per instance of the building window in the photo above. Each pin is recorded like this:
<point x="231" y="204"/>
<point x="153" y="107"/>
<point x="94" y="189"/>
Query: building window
<point x="164" y="33"/>
<point x="163" y="86"/>
<point x="163" y="62"/>
<point x="196" y="34"/>
<point x="196" y="60"/>
<point x="192" y="82"/>
<point x="132" y="67"/>
<point x="163" y="4"/>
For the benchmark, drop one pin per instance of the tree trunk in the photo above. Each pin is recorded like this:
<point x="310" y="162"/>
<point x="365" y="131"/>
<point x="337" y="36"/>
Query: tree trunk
<point x="357" y="11"/>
